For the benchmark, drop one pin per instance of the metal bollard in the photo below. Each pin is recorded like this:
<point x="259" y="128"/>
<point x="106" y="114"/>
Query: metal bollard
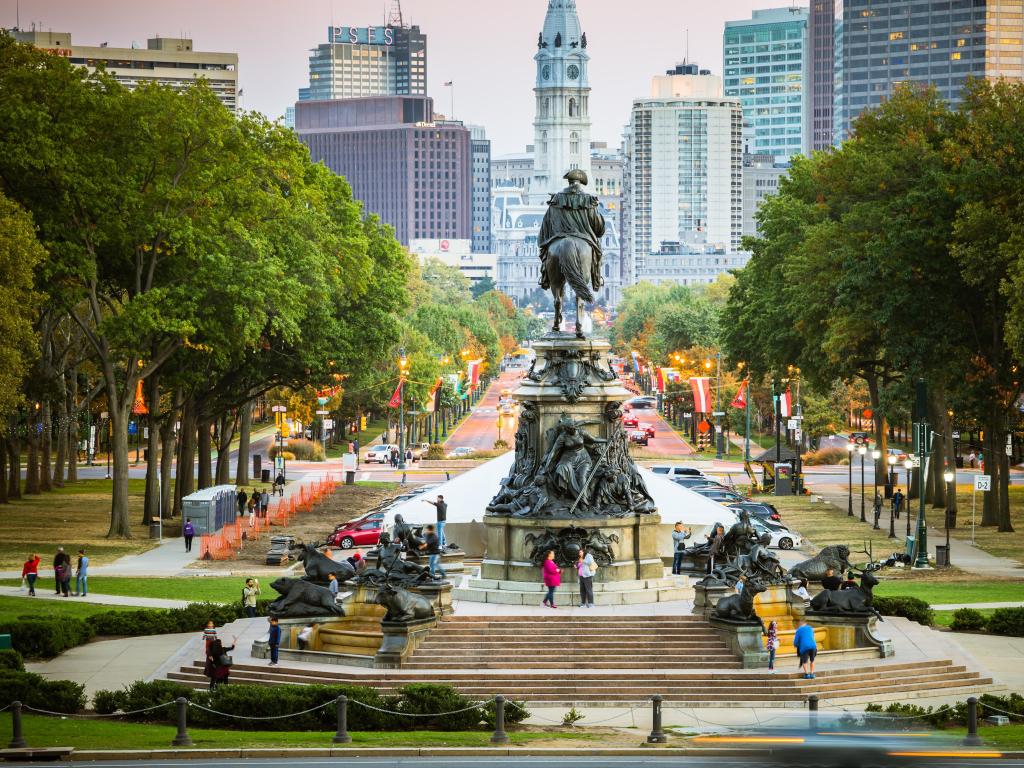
<point x="17" y="737"/>
<point x="972" y="739"/>
<point x="342" y="737"/>
<point x="181" y="738"/>
<point x="499" y="736"/>
<point x="657" y="736"/>
<point x="812" y="711"/>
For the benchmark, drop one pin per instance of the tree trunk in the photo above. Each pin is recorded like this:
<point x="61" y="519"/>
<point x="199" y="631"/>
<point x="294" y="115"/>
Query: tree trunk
<point x="167" y="462"/>
<point x="151" y="506"/>
<point x="184" y="482"/>
<point x="72" y="410"/>
<point x="224" y="436"/>
<point x="45" y="449"/>
<point x="32" y="460"/>
<point x="13" y="465"/>
<point x="205" y="444"/>
<point x="1003" y="512"/>
<point x="120" y="526"/>
<point x="990" y="506"/>
<point x="244" y="432"/>
<point x="3" y="470"/>
<point x="62" y="444"/>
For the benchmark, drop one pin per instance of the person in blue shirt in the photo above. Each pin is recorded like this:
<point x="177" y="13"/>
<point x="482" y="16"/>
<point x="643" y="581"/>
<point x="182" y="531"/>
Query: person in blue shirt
<point x="82" y="575"/>
<point x="806" y="647"/>
<point x="274" y="640"/>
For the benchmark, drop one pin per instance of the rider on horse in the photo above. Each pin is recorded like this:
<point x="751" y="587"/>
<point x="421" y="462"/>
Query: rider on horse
<point x="573" y="213"/>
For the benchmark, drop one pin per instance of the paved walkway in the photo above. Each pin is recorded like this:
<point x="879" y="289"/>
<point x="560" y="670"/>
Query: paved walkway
<point x="979" y="606"/>
<point x="43" y="593"/>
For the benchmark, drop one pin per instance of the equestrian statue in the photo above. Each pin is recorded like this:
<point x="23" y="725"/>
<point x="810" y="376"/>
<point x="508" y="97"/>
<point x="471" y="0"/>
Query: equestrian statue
<point x="570" y="246"/>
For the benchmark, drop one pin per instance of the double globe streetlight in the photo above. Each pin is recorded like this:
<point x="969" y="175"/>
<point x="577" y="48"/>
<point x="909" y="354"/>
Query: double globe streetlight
<point x="862" y="450"/>
<point x="892" y="506"/>
<point x="908" y="464"/>
<point x="876" y="502"/>
<point x="850" y="448"/>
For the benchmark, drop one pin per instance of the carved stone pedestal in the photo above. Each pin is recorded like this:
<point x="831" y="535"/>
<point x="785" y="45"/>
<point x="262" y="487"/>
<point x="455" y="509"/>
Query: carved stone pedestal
<point x="744" y="639"/>
<point x="849" y="631"/>
<point x="705" y="597"/>
<point x="400" y="640"/>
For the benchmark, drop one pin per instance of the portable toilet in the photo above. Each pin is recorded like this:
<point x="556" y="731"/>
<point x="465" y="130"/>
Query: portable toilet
<point x="211" y="508"/>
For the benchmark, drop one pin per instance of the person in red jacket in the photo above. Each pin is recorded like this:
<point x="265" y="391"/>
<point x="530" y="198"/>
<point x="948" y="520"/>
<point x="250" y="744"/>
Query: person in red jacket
<point x="30" y="572"/>
<point x="552" y="578"/>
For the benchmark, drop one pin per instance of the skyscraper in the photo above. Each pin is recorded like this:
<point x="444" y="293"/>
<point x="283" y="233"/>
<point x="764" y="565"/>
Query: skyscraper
<point x="881" y="45"/>
<point x="357" y="62"/>
<point x="165" y="60"/>
<point x="481" y="149"/>
<point x="818" y="128"/>
<point x="765" y="66"/>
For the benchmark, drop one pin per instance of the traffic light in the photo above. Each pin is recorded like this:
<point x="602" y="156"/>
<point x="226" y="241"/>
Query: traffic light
<point x="362" y="422"/>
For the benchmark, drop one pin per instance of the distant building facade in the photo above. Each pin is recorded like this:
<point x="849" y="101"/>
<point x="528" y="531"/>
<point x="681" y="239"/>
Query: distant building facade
<point x="167" y="61"/>
<point x="818" y="127"/>
<point x="459" y="254"/>
<point x="765" y="66"/>
<point x="692" y="263"/>
<point x="481" y="149"/>
<point x="761" y="176"/>
<point x="416" y="174"/>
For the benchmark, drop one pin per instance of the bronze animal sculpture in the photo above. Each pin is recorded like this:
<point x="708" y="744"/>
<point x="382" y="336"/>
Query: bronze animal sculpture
<point x="302" y="599"/>
<point x="402" y="605"/>
<point x="318" y="566"/>
<point x="741" y="607"/>
<point x="856" y="600"/>
<point x="836" y="557"/>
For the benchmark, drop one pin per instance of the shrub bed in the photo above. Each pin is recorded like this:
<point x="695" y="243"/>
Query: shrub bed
<point x="967" y="620"/>
<point x="1006" y="621"/>
<point x="11" y="660"/>
<point x="824" y="456"/>
<point x="304" y="450"/>
<point x="954" y="715"/>
<point x="40" y="693"/>
<point x="279" y="701"/>
<point x="912" y="608"/>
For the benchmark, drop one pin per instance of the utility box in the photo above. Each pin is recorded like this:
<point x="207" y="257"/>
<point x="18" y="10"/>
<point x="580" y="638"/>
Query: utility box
<point x="783" y="480"/>
<point x="211" y="508"/>
<point x="257" y="461"/>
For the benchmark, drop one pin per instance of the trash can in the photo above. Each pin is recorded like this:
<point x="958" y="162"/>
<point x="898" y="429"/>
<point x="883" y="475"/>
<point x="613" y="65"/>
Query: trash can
<point x="941" y="555"/>
<point x="154" y="528"/>
<point x="257" y="460"/>
<point x="5" y="642"/>
<point x="265" y="476"/>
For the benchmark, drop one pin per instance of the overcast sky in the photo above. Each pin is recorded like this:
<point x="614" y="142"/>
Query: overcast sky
<point x="485" y="46"/>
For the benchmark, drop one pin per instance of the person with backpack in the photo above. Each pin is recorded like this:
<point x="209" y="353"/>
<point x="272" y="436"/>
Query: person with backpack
<point x="189" y="532"/>
<point x="218" y="662"/>
<point x="61" y="570"/>
<point x="250" y="592"/>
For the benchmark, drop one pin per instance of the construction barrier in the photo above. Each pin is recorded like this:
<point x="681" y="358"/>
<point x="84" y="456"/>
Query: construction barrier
<point x="226" y="543"/>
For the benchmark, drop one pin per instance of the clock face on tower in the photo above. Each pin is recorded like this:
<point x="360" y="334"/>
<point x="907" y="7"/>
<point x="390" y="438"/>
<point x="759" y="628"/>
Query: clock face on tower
<point x="546" y="71"/>
<point x="572" y="72"/>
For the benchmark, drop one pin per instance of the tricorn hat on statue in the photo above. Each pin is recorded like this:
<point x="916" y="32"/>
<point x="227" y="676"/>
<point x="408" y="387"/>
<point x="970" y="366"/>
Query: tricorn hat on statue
<point x="576" y="175"/>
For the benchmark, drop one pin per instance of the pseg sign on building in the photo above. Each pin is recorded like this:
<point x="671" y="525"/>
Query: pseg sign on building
<point x="363" y="35"/>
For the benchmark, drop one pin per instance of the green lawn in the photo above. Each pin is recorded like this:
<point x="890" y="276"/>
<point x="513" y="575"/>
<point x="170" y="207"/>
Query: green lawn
<point x="989" y="539"/>
<point x="197" y="589"/>
<point x="939" y="592"/>
<point x="945" y="618"/>
<point x="109" y="734"/>
<point x="823" y="524"/>
<point x="1004" y="737"/>
<point x="13" y="607"/>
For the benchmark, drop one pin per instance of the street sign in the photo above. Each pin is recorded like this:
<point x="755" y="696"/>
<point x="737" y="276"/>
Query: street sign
<point x="703" y="427"/>
<point x="322" y="400"/>
<point x="983" y="482"/>
<point x="322" y="413"/>
<point x="916" y="461"/>
<point x="718" y="413"/>
<point x="956" y="435"/>
<point x="328" y="423"/>
<point x="687" y="415"/>
<point x="798" y="435"/>
<point x="279" y="409"/>
<point x="793" y="424"/>
<point x="279" y="463"/>
<point x="1009" y="445"/>
<point x="133" y="428"/>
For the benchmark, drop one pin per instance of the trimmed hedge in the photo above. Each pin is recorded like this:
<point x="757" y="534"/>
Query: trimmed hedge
<point x="278" y="701"/>
<point x="967" y="620"/>
<point x="952" y="716"/>
<point x="11" y="660"/>
<point x="912" y="608"/>
<point x="1006" y="621"/>
<point x="40" y="693"/>
<point x="46" y="637"/>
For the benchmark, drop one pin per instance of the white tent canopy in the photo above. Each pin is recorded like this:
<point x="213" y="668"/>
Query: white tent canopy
<point x="468" y="494"/>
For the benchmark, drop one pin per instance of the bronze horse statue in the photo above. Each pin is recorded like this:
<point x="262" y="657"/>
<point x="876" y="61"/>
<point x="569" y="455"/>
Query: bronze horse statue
<point x="570" y="260"/>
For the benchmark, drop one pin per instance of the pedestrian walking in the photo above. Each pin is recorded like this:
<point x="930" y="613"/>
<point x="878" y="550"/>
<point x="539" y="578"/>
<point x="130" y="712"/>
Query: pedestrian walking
<point x="209" y="635"/>
<point x="442" y="517"/>
<point x="772" y="643"/>
<point x="274" y="640"/>
<point x="188" y="531"/>
<point x="60" y="559"/>
<point x="971" y="458"/>
<point x="218" y="662"/>
<point x="250" y="592"/>
<point x="807" y="647"/>
<point x="679" y="537"/>
<point x="30" y="572"/>
<point x="264" y="503"/>
<point x="82" y="575"/>
<point x="897" y="503"/>
<point x="552" y="576"/>
<point x="586" y="567"/>
<point x="240" y="497"/>
<point x="252" y="513"/>
<point x="279" y="483"/>
<point x="432" y="546"/>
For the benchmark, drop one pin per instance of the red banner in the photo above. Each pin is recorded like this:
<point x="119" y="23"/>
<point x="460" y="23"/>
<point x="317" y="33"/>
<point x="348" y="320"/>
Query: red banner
<point x="139" y="406"/>
<point x="434" y="402"/>
<point x="396" y="399"/>
<point x="786" y="404"/>
<point x="473" y="373"/>
<point x="740" y="401"/>
<point x="701" y="386"/>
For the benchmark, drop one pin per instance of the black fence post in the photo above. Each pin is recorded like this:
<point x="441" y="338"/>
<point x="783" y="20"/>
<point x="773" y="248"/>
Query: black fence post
<point x="17" y="737"/>
<point x="499" y="736"/>
<point x="657" y="736"/>
<point x="181" y="738"/>
<point x="342" y="737"/>
<point x="972" y="739"/>
<point x="812" y="710"/>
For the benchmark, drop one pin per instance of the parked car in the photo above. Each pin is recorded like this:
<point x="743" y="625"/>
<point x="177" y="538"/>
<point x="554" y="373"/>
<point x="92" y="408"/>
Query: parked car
<point x="629" y="420"/>
<point x="721" y="495"/>
<point x="782" y="537"/>
<point x="759" y="509"/>
<point x="462" y="452"/>
<point x="357" y="534"/>
<point x="381" y="453"/>
<point x="689" y="481"/>
<point x="639" y="437"/>
<point x="677" y="471"/>
<point x="642" y="403"/>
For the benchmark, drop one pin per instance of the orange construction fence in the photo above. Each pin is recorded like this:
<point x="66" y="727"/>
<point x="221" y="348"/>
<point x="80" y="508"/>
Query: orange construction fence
<point x="226" y="543"/>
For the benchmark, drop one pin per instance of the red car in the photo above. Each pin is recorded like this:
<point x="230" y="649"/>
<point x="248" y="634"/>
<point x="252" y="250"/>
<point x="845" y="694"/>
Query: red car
<point x="629" y="420"/>
<point x="648" y="428"/>
<point x="359" y="533"/>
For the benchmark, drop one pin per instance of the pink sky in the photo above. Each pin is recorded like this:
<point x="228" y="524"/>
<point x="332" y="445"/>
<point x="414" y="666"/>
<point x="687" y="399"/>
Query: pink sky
<point x="484" y="46"/>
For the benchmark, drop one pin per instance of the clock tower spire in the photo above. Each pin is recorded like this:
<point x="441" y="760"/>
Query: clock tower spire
<point x="561" y="126"/>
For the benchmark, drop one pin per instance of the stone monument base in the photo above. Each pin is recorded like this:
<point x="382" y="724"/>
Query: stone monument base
<point x="632" y="592"/>
<point x="511" y="542"/>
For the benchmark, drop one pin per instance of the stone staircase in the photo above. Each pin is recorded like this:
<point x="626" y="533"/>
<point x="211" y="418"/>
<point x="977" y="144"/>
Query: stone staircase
<point x="635" y="592"/>
<point x="602" y="660"/>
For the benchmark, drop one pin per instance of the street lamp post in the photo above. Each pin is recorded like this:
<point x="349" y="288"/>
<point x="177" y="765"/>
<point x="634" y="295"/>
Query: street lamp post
<point x="875" y="503"/>
<point x="719" y="428"/>
<point x="850" y="448"/>
<point x="909" y="466"/>
<point x="862" y="450"/>
<point x="402" y="362"/>
<point x="892" y="483"/>
<point x="950" y="477"/>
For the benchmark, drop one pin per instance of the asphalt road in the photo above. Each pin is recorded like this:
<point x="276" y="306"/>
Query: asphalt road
<point x="480" y="429"/>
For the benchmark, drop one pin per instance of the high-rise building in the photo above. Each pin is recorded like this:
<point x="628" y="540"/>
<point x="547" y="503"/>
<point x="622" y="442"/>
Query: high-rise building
<point x="761" y="176"/>
<point x="684" y="165"/>
<point x="357" y="62"/>
<point x="165" y="60"/>
<point x="481" y="149"/>
<point x="413" y="172"/>
<point x="818" y="129"/>
<point x="765" y="66"/>
<point x="881" y="45"/>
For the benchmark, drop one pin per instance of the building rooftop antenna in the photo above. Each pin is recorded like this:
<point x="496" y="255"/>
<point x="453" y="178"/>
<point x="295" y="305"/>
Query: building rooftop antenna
<point x="395" y="19"/>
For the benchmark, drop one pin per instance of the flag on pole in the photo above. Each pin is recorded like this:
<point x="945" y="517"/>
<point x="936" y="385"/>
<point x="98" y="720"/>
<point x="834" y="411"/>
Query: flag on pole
<point x="786" y="404"/>
<point x="740" y="401"/>
<point x="434" y="401"/>
<point x="396" y="398"/>
<point x="473" y="373"/>
<point x="449" y="83"/>
<point x="660" y="380"/>
<point x="701" y="386"/>
<point x="636" y="363"/>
